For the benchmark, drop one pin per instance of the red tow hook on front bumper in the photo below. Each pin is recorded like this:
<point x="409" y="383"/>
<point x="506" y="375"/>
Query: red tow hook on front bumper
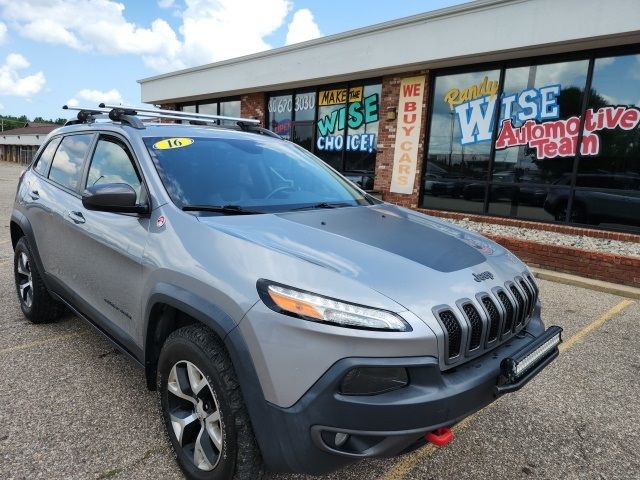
<point x="440" y="437"/>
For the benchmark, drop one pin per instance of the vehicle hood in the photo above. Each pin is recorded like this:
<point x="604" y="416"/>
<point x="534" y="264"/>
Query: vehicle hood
<point x="363" y="241"/>
<point x="416" y="261"/>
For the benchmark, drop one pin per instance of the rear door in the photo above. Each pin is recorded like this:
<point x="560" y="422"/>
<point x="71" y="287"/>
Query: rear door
<point x="52" y="199"/>
<point x="107" y="248"/>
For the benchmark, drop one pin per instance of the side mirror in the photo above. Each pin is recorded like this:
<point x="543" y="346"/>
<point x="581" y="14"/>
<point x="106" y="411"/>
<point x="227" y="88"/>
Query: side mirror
<point x="112" y="197"/>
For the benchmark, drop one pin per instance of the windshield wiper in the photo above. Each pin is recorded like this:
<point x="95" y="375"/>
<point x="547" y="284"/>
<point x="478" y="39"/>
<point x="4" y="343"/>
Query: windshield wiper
<point x="324" y="205"/>
<point x="226" y="209"/>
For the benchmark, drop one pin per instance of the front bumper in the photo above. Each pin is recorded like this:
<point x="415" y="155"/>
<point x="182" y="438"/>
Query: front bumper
<point x="387" y="424"/>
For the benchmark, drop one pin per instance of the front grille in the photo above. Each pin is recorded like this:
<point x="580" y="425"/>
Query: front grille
<point x="521" y="304"/>
<point x="494" y="318"/>
<point x="510" y="311"/>
<point x="454" y="332"/>
<point x="476" y="325"/>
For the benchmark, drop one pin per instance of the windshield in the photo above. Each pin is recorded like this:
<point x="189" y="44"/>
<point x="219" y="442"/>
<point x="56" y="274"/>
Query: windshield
<point x="258" y="174"/>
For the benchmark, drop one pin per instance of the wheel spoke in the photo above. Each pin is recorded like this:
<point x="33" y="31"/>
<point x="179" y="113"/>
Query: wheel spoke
<point x="196" y="379"/>
<point x="23" y="263"/>
<point x="203" y="455"/>
<point x="214" y="429"/>
<point x="180" y="421"/>
<point x="175" y="387"/>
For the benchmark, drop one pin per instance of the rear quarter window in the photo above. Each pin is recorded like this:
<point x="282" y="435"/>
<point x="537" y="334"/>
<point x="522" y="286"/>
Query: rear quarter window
<point x="66" y="168"/>
<point x="43" y="162"/>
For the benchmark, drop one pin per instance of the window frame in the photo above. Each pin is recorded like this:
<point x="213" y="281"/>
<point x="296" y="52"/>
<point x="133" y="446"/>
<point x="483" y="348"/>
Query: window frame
<point x="590" y="55"/>
<point x="145" y="197"/>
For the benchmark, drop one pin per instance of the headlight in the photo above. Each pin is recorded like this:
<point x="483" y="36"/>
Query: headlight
<point x="309" y="306"/>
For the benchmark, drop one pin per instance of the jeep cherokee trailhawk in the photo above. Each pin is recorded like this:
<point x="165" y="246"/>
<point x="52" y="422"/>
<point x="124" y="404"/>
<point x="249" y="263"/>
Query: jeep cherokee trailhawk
<point x="288" y="320"/>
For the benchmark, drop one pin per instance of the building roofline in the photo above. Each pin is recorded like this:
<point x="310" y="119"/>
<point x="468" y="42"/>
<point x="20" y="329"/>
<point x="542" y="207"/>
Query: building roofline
<point x="336" y="37"/>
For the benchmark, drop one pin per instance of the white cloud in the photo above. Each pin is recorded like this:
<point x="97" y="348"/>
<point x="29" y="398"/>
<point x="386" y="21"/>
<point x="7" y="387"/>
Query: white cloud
<point x="94" y="97"/>
<point x="11" y="83"/>
<point x="302" y="27"/>
<point x="211" y="30"/>
<point x="48" y="31"/>
<point x="3" y="33"/>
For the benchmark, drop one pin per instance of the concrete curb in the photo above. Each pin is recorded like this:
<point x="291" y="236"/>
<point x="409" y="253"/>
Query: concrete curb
<point x="589" y="283"/>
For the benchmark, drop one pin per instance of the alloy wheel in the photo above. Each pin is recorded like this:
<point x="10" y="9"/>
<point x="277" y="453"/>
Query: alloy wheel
<point x="25" y="281"/>
<point x="195" y="415"/>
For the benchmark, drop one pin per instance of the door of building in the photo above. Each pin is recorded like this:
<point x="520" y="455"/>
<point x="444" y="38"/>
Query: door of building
<point x="303" y="134"/>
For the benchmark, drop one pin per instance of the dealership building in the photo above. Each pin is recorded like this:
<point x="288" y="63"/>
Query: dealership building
<point x="526" y="110"/>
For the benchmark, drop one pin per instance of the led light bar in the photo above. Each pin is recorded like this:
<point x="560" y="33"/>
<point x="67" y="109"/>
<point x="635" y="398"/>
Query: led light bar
<point x="514" y="367"/>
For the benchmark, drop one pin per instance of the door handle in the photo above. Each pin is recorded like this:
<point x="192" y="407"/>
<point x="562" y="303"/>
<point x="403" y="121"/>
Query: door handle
<point x="34" y="194"/>
<point x="77" y="217"/>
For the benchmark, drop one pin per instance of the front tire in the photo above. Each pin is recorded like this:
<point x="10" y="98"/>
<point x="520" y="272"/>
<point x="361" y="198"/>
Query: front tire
<point x="35" y="301"/>
<point x="203" y="410"/>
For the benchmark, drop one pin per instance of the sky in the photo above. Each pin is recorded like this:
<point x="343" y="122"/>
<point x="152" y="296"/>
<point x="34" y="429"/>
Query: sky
<point x="54" y="52"/>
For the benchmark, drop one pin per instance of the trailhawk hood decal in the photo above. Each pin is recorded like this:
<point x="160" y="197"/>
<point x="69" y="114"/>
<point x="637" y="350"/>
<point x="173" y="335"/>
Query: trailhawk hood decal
<point x="347" y="239"/>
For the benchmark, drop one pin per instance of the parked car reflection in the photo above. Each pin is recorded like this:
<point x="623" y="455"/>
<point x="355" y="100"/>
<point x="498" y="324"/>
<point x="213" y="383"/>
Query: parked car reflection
<point x="598" y="206"/>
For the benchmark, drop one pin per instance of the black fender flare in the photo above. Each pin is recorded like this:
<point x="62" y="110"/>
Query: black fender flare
<point x="224" y="326"/>
<point x="22" y="221"/>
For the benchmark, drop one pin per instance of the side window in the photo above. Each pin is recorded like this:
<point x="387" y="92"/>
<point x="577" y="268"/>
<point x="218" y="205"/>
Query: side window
<point x="44" y="161"/>
<point x="66" y="168"/>
<point x="112" y="163"/>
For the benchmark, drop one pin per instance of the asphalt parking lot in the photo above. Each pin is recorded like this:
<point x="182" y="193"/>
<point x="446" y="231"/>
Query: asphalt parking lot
<point x="71" y="406"/>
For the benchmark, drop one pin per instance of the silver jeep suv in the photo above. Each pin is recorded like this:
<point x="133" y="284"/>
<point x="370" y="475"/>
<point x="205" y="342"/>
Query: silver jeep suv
<point x="288" y="320"/>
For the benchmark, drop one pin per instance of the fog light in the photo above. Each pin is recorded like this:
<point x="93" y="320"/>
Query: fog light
<point x="374" y="380"/>
<point x="340" y="439"/>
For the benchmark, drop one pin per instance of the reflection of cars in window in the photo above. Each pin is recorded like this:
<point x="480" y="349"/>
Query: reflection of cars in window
<point x="598" y="206"/>
<point x="362" y="178"/>
<point x="506" y="188"/>
<point x="447" y="187"/>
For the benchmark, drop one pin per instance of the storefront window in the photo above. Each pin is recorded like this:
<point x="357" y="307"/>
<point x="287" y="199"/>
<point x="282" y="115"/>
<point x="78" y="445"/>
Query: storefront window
<point x="530" y="174"/>
<point x="280" y="109"/>
<point x="362" y="132"/>
<point x="226" y="108"/>
<point x="347" y="127"/>
<point x="608" y="177"/>
<point x="539" y="122"/>
<point x="460" y="141"/>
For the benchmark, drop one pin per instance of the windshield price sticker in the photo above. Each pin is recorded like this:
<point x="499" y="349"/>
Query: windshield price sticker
<point x="168" y="143"/>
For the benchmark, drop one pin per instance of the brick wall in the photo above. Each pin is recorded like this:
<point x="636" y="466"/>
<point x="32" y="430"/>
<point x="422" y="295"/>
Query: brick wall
<point x="600" y="266"/>
<point x="252" y="106"/>
<point x="548" y="227"/>
<point x="387" y="140"/>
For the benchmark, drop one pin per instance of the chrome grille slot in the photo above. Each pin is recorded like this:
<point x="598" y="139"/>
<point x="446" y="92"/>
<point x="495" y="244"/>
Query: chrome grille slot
<point x="454" y="332"/>
<point x="494" y="318"/>
<point x="521" y="304"/>
<point x="531" y="297"/>
<point x="475" y="321"/>
<point x="510" y="311"/>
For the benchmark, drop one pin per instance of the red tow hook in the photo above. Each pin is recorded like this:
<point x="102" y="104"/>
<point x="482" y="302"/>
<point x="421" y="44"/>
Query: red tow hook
<point x="440" y="437"/>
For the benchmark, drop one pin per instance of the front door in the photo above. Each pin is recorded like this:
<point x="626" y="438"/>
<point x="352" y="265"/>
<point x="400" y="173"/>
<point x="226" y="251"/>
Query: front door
<point x="107" y="248"/>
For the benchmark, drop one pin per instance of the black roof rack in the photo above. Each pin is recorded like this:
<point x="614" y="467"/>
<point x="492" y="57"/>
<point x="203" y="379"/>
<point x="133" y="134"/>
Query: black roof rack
<point x="135" y="117"/>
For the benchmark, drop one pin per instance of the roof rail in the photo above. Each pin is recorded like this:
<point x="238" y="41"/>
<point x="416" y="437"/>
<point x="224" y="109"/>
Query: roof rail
<point x="135" y="117"/>
<point x="85" y="115"/>
<point x="182" y="115"/>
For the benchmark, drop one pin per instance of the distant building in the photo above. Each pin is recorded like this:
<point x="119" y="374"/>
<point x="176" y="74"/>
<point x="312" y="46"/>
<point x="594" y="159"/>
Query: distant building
<point x="20" y="144"/>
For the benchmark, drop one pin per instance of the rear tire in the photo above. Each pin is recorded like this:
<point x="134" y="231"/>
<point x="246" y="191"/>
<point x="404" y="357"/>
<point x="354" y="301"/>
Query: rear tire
<point x="204" y="414"/>
<point x="35" y="301"/>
